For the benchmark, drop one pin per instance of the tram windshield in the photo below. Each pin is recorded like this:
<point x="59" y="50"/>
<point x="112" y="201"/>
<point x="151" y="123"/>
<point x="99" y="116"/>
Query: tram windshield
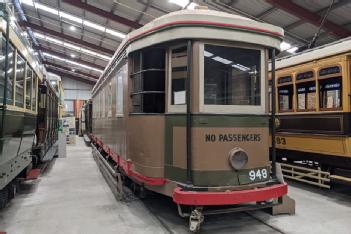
<point x="231" y="76"/>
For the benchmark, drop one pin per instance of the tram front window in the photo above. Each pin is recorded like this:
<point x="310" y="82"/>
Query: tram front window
<point x="231" y="76"/>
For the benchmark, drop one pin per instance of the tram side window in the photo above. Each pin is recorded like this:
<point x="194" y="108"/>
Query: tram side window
<point x="306" y="95"/>
<point x="34" y="92"/>
<point x="119" y="90"/>
<point x="29" y="83"/>
<point x="179" y="68"/>
<point x="232" y="76"/>
<point x="285" y="97"/>
<point x="330" y="93"/>
<point x="10" y="72"/>
<point x="148" y="81"/>
<point x="20" y="73"/>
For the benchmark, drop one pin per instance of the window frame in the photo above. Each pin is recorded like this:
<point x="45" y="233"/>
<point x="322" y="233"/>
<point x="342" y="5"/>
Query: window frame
<point x="326" y="77"/>
<point x="181" y="108"/>
<point x="292" y="84"/>
<point x="303" y="81"/>
<point x="121" y="73"/>
<point x="234" y="109"/>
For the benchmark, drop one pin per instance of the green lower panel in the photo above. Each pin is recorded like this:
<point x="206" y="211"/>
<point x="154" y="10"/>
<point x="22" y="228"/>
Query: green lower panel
<point x="216" y="178"/>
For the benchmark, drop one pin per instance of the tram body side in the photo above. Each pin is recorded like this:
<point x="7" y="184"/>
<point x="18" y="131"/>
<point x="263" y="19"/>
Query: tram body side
<point x="20" y="113"/>
<point x="320" y="133"/>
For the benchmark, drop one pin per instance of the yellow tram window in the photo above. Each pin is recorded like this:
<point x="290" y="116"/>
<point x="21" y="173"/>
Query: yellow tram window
<point x="20" y="72"/>
<point x="231" y="76"/>
<point x="330" y="93"/>
<point x="29" y="83"/>
<point x="285" y="96"/>
<point x="306" y="95"/>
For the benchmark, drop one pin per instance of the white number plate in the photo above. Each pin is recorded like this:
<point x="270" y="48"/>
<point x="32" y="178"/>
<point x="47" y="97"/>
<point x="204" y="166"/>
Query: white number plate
<point x="259" y="174"/>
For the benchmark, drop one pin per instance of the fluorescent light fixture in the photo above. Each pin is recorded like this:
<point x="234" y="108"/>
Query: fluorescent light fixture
<point x="73" y="18"/>
<point x="27" y="2"/>
<point x="240" y="67"/>
<point x="222" y="60"/>
<point x="51" y="39"/>
<point x="207" y="54"/>
<point x="71" y="46"/>
<point x="73" y="70"/>
<point x="71" y="62"/>
<point x="181" y="3"/>
<point x="73" y="55"/>
<point x="72" y="28"/>
<point x="292" y="50"/>
<point x="115" y="33"/>
<point x="284" y="46"/>
<point x="94" y="26"/>
<point x="46" y="8"/>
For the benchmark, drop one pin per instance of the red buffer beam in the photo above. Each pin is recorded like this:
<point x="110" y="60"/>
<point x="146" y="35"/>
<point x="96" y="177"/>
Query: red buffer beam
<point x="36" y="27"/>
<point x="103" y="13"/>
<point x="304" y="14"/>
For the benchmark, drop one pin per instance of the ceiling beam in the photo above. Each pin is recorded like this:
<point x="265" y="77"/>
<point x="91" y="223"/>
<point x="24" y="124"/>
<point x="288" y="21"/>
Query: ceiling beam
<point x="64" y="56"/>
<point x="266" y="12"/>
<point x="322" y="11"/>
<point x="36" y="27"/>
<point x="304" y="14"/>
<point x="70" y="69"/>
<point x="63" y="73"/>
<point x="103" y="13"/>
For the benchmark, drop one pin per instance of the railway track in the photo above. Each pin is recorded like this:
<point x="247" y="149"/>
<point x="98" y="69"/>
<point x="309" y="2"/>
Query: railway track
<point x="165" y="212"/>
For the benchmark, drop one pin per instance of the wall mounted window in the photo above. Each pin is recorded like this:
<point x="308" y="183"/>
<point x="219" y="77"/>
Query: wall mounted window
<point x="20" y="74"/>
<point x="148" y="81"/>
<point x="330" y="88"/>
<point x="29" y="83"/>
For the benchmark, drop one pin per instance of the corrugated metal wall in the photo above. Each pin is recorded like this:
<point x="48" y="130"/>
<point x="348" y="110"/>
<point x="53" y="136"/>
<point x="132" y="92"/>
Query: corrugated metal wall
<point x="74" y="90"/>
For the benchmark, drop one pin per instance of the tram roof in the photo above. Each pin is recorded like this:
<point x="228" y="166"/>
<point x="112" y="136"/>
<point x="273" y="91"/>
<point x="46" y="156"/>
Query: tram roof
<point x="327" y="50"/>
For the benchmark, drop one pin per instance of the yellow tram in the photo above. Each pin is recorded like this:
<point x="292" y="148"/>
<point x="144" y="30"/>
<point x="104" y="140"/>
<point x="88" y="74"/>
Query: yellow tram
<point x="182" y="110"/>
<point x="313" y="107"/>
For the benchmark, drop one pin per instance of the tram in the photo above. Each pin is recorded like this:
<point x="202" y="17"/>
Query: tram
<point x="313" y="108"/>
<point x="182" y="110"/>
<point x="28" y="110"/>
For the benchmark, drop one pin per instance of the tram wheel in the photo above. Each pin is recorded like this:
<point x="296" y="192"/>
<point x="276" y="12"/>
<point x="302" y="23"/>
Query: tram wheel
<point x="4" y="197"/>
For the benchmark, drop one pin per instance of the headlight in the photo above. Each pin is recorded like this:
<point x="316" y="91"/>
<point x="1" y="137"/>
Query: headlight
<point x="238" y="158"/>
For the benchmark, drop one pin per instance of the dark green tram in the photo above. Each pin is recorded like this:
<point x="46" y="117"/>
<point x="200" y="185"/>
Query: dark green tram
<point x="28" y="109"/>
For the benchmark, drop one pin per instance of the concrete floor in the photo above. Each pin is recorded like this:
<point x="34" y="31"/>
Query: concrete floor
<point x="73" y="197"/>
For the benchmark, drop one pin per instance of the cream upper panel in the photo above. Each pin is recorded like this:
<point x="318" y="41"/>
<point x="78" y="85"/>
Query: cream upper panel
<point x="197" y="24"/>
<point x="331" y="49"/>
<point x="205" y="24"/>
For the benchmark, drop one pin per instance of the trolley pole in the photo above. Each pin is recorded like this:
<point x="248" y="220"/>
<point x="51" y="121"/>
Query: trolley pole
<point x="188" y="114"/>
<point x="273" y="104"/>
